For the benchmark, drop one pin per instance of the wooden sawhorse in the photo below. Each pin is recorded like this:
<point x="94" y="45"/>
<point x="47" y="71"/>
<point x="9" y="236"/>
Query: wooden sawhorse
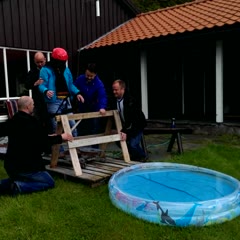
<point x="102" y="139"/>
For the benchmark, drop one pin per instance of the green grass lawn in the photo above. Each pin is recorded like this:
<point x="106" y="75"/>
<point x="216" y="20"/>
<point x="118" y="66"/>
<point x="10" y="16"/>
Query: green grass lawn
<point x="75" y="211"/>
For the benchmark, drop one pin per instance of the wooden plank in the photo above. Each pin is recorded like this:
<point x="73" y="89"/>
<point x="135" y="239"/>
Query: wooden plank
<point x="103" y="169"/>
<point x="70" y="172"/>
<point x="119" y="161"/>
<point x="96" y="173"/>
<point x="123" y="144"/>
<point x="111" y="164"/>
<point x="78" y="116"/>
<point x="106" y="166"/>
<point x="92" y="141"/>
<point x="73" y="152"/>
<point x="56" y="147"/>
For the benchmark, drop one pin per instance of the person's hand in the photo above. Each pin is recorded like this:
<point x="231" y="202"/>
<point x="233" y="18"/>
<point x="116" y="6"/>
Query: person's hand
<point x="67" y="137"/>
<point x="80" y="98"/>
<point x="123" y="136"/>
<point x="38" y="82"/>
<point x="102" y="111"/>
<point x="50" y="93"/>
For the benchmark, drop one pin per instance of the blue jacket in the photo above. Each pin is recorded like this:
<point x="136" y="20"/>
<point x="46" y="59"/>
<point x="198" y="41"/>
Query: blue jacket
<point x="48" y="75"/>
<point x="94" y="94"/>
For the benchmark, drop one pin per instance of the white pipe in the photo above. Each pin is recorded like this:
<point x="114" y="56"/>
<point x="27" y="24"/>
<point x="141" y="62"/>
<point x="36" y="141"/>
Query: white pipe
<point x="219" y="82"/>
<point x="48" y="56"/>
<point x="97" y="8"/>
<point x="6" y="72"/>
<point x="29" y="67"/>
<point x="28" y="60"/>
<point x="144" y="86"/>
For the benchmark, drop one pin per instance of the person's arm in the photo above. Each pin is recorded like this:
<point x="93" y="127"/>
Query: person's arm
<point x="58" y="139"/>
<point x="73" y="90"/>
<point x="31" y="78"/>
<point x="102" y="98"/>
<point x="43" y="88"/>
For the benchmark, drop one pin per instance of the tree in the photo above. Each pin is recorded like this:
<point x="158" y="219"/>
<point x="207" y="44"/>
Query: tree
<point x="149" y="5"/>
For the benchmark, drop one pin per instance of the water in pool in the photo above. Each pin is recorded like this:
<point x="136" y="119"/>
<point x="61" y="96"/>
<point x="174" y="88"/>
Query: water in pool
<point x="175" y="185"/>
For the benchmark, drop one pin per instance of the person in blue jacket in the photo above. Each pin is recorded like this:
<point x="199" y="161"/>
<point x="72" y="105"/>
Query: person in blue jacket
<point x="58" y="88"/>
<point x="95" y="99"/>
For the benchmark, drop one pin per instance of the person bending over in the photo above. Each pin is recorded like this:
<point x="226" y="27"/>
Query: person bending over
<point x="24" y="164"/>
<point x="132" y="118"/>
<point x="95" y="100"/>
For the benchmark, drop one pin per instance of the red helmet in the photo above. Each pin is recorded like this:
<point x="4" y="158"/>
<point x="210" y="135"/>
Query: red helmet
<point x="59" y="54"/>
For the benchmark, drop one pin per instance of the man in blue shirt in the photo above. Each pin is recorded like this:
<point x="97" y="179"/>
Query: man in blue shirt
<point x="95" y="99"/>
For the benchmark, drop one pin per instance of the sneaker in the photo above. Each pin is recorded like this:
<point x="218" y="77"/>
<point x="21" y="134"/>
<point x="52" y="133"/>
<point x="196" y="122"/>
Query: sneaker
<point x="14" y="190"/>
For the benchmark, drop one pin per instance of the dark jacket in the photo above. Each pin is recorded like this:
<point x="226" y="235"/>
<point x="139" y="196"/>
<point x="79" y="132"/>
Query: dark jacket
<point x="135" y="120"/>
<point x="32" y="77"/>
<point x="27" y="140"/>
<point x="40" y="106"/>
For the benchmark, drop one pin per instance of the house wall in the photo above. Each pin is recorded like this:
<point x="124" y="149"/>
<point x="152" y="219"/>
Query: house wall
<point x="71" y="24"/>
<point x="28" y="26"/>
<point x="181" y="74"/>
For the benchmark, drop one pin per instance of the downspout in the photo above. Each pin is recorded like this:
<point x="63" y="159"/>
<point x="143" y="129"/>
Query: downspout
<point x="219" y="81"/>
<point x="144" y="86"/>
<point x="6" y="72"/>
<point x="28" y="69"/>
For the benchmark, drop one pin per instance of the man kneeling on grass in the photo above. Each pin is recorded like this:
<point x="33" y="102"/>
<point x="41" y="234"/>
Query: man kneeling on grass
<point x="27" y="140"/>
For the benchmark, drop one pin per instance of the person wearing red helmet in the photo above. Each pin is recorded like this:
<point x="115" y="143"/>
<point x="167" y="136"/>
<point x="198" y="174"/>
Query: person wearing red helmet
<point x="58" y="88"/>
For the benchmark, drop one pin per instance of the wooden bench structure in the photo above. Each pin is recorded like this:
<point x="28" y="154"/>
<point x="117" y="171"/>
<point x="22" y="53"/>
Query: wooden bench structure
<point x="175" y="135"/>
<point x="102" y="139"/>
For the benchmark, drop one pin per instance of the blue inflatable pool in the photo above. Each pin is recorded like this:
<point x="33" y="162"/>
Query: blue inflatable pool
<point x="175" y="194"/>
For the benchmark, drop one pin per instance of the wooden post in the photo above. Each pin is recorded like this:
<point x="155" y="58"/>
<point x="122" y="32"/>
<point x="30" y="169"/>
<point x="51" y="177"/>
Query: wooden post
<point x="56" y="147"/>
<point x="122" y="143"/>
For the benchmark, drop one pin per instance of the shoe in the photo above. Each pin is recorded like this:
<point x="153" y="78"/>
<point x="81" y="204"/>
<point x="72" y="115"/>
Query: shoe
<point x="15" y="191"/>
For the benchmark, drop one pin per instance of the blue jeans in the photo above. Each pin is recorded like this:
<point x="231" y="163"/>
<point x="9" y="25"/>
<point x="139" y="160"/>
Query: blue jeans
<point x="134" y="147"/>
<point x="57" y="108"/>
<point x="27" y="183"/>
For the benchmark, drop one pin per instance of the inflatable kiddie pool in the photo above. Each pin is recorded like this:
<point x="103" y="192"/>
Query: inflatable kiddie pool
<point x="175" y="194"/>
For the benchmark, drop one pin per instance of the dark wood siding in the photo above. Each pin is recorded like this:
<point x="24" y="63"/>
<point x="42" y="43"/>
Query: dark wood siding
<point x="71" y="24"/>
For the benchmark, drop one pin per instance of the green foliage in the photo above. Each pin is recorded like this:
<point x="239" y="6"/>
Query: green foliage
<point x="149" y="5"/>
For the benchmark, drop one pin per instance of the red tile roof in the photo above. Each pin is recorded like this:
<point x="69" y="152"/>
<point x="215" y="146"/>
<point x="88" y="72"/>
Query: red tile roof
<point x="187" y="17"/>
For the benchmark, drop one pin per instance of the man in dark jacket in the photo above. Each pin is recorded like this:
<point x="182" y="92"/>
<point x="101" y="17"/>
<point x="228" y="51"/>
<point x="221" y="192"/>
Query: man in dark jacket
<point x="27" y="140"/>
<point x="132" y="118"/>
<point x="32" y="82"/>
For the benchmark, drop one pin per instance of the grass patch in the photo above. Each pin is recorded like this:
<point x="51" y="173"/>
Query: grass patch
<point x="75" y="211"/>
